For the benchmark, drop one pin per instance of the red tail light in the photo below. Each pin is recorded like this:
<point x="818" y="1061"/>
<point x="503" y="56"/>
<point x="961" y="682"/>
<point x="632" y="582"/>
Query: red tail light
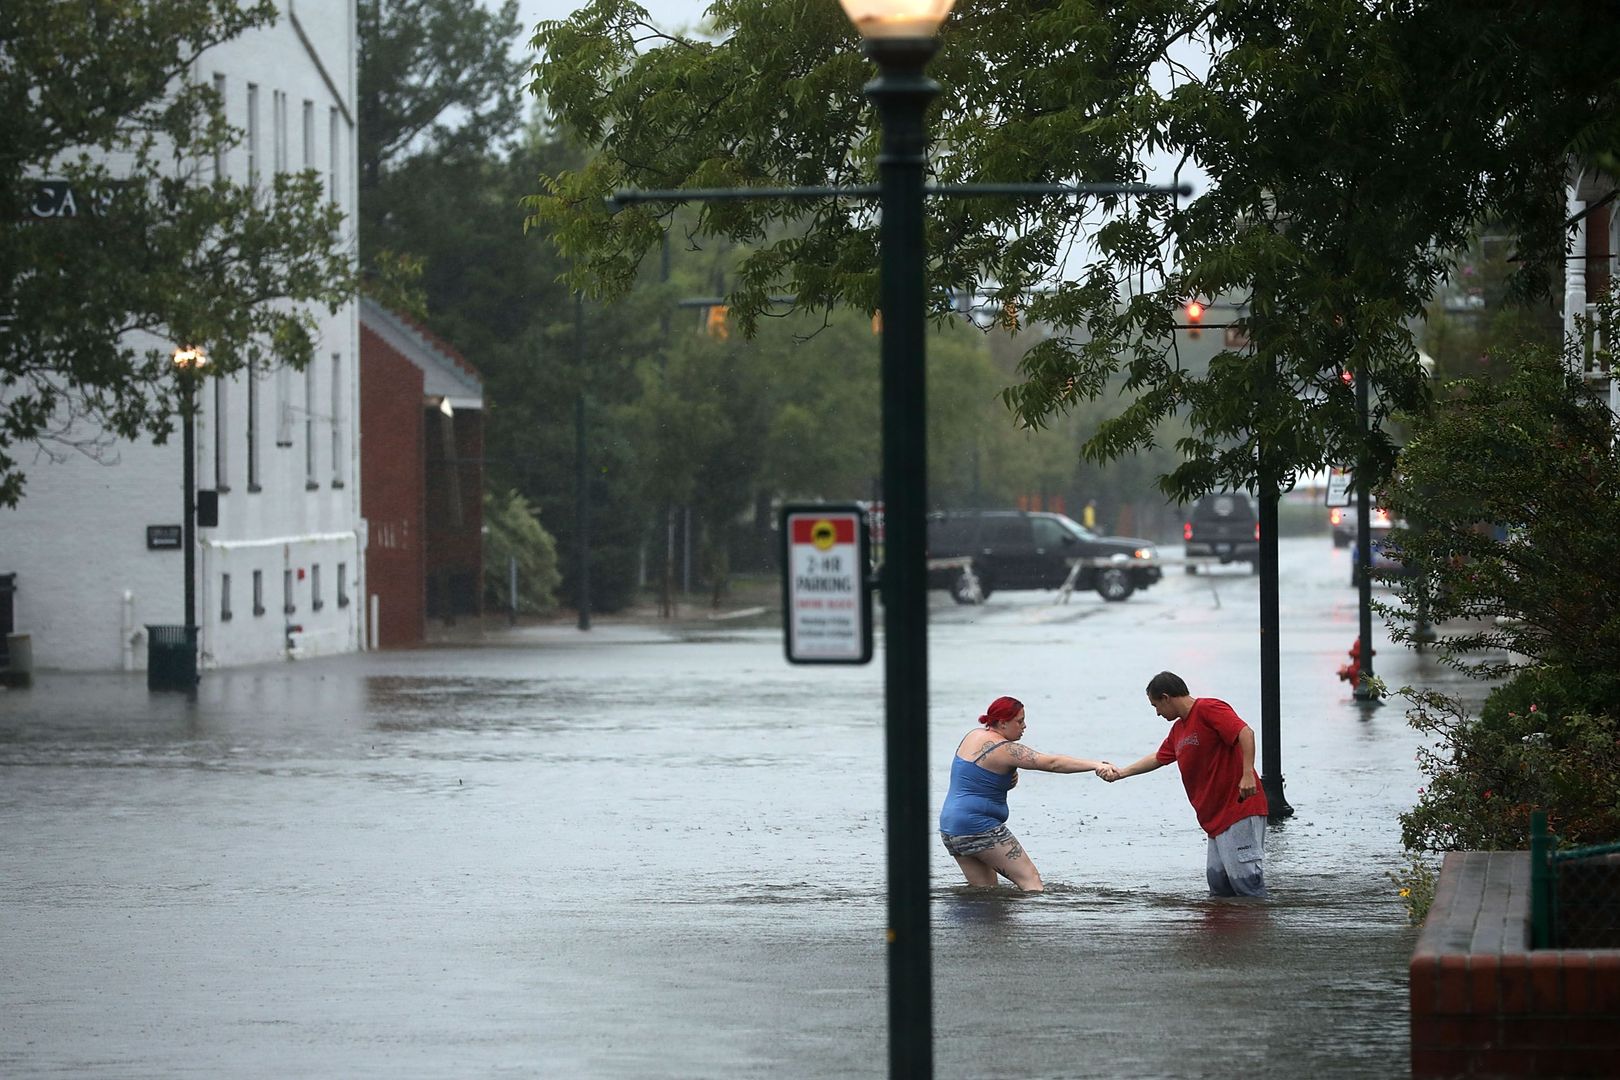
<point x="1257" y="530"/>
<point x="1186" y="530"/>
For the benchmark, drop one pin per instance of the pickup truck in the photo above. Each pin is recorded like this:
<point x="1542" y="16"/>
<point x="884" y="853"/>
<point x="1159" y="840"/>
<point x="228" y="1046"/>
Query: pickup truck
<point x="1017" y="549"/>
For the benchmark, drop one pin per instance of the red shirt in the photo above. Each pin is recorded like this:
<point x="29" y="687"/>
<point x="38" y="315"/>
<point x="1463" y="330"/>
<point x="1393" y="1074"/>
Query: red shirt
<point x="1205" y="745"/>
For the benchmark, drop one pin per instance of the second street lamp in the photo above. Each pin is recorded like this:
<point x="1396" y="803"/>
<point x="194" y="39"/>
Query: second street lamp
<point x="189" y="363"/>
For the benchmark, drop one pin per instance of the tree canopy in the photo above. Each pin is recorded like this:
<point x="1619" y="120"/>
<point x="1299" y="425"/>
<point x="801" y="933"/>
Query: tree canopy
<point x="122" y="238"/>
<point x="1349" y="148"/>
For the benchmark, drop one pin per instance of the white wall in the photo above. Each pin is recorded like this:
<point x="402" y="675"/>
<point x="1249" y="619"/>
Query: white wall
<point x="77" y="541"/>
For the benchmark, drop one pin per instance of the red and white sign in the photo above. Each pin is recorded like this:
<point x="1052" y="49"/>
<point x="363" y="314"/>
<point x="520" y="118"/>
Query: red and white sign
<point x="826" y="604"/>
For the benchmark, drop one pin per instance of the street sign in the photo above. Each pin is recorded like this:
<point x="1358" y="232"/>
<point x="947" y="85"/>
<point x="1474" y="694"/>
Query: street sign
<point x="163" y="537"/>
<point x="1338" y="488"/>
<point x="826" y="602"/>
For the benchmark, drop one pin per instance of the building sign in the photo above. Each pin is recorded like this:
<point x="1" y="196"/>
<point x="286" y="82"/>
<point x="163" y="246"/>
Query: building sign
<point x="1338" y="488"/>
<point x="60" y="199"/>
<point x="826" y="602"/>
<point x="163" y="537"/>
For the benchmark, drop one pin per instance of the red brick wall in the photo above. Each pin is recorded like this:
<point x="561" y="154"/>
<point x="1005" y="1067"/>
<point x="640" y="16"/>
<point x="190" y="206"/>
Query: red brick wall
<point x="1485" y="1005"/>
<point x="391" y="490"/>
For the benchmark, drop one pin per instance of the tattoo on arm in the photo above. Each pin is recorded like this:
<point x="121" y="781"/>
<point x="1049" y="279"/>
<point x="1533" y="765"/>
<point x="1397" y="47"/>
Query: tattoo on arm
<point x="1020" y="752"/>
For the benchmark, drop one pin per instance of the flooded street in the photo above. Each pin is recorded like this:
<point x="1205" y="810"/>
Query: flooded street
<point x="646" y="852"/>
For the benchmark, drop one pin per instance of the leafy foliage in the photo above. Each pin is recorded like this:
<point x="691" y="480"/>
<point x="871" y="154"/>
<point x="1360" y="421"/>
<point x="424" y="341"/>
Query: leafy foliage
<point x="162" y="250"/>
<point x="1539" y="743"/>
<point x="1513" y="493"/>
<point x="1349" y="148"/>
<point x="514" y="532"/>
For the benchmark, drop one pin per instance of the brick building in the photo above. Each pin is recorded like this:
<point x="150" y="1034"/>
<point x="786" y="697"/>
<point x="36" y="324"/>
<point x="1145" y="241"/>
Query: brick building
<point x="421" y="477"/>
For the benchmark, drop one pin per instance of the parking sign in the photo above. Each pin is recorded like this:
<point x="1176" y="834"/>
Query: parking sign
<point x="826" y="604"/>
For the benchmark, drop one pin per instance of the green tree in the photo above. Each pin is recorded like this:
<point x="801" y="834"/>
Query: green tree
<point x="161" y="251"/>
<point x="513" y="533"/>
<point x="1349" y="148"/>
<point x="1512" y="492"/>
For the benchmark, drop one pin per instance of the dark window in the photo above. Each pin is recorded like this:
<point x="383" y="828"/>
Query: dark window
<point x="258" y="592"/>
<point x="224" y="598"/>
<point x="1049" y="534"/>
<point x="1005" y="530"/>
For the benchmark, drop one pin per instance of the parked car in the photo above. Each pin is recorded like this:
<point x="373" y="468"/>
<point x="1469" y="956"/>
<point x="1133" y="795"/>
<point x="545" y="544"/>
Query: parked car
<point x="1016" y="549"/>
<point x="1223" y="525"/>
<point x="1342" y="520"/>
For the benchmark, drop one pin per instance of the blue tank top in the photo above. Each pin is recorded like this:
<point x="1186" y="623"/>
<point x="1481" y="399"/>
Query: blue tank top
<point x="977" y="799"/>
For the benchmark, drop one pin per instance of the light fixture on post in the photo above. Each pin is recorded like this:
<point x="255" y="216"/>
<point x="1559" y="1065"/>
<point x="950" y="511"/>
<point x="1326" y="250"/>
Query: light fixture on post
<point x="189" y="362"/>
<point x="899" y="39"/>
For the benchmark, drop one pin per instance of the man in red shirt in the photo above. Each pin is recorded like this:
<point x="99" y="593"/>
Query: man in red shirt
<point x="1215" y="750"/>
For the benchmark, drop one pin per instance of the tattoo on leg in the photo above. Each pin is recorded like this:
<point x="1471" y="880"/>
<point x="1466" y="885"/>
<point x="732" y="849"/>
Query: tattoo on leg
<point x="1015" y="852"/>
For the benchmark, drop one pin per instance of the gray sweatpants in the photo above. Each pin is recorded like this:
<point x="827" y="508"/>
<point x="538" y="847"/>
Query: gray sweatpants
<point x="1236" y="860"/>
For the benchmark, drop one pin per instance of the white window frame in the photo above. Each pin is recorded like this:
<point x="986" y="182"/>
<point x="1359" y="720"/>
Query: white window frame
<point x="310" y="483"/>
<point x="253" y="134"/>
<point x="338" y="456"/>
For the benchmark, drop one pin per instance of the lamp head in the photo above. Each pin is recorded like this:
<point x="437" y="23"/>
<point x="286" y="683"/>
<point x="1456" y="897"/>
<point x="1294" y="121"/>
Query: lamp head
<point x="897" y="18"/>
<point x="190" y="358"/>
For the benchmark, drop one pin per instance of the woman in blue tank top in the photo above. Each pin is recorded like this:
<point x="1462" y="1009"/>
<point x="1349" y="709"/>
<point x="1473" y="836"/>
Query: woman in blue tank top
<point x="973" y="821"/>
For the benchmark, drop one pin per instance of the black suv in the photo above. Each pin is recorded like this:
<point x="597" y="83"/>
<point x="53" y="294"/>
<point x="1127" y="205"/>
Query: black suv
<point x="1014" y="549"/>
<point x="1223" y="525"/>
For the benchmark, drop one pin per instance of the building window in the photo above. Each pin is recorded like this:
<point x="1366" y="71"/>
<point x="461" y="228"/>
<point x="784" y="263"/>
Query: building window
<point x="279" y="135"/>
<point x="253" y="425"/>
<point x="310" y="483"/>
<point x="343" y="584"/>
<point x="287" y="592"/>
<point x="224" y="598"/>
<point x="219" y="151"/>
<point x="309" y="134"/>
<point x="337" y="420"/>
<point x="284" y="406"/>
<point x="334" y="143"/>
<point x="222" y="457"/>
<point x="315" y="601"/>
<point x="258" y="592"/>
<point x="253" y="134"/>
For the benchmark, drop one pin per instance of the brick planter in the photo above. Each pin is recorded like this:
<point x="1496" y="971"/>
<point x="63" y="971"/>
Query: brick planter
<point x="1485" y="1005"/>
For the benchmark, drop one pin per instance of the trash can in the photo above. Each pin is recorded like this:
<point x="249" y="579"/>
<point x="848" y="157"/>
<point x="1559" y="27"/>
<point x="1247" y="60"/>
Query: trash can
<point x="171" y="657"/>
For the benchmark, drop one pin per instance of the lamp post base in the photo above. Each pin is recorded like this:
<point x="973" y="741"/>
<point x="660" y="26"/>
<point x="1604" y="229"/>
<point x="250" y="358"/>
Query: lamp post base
<point x="1275" y="801"/>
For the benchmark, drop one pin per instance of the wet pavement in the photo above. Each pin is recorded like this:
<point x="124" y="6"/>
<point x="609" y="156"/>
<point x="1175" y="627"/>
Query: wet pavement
<point x="659" y="852"/>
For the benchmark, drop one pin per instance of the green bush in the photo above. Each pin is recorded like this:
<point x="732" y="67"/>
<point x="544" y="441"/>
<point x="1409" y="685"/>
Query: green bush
<point x="1539" y="743"/>
<point x="513" y="530"/>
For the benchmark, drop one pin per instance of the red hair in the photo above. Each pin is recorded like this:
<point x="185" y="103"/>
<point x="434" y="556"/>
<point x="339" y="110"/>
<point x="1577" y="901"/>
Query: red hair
<point x="1003" y="708"/>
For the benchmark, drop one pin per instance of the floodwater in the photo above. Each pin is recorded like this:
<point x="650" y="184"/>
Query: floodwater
<point x="653" y="851"/>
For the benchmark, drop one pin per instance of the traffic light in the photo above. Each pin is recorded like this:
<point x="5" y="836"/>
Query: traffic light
<point x="715" y="322"/>
<point x="1195" y="315"/>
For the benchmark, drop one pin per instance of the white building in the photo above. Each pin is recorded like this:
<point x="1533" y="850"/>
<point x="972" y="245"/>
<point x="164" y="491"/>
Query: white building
<point x="282" y="573"/>
<point x="1590" y="270"/>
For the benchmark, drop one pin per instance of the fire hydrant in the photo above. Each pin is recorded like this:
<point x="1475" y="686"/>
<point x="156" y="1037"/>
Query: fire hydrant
<point x="1351" y="672"/>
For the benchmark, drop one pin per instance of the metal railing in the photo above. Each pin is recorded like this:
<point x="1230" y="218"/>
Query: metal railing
<point x="1574" y="893"/>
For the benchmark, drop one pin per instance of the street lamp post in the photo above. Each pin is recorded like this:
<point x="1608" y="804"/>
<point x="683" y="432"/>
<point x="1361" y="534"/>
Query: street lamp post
<point x="189" y="363"/>
<point x="900" y="41"/>
<point x="1363" y="690"/>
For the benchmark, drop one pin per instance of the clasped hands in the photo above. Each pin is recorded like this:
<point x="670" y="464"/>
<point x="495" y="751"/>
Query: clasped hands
<point x="1109" y="771"/>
